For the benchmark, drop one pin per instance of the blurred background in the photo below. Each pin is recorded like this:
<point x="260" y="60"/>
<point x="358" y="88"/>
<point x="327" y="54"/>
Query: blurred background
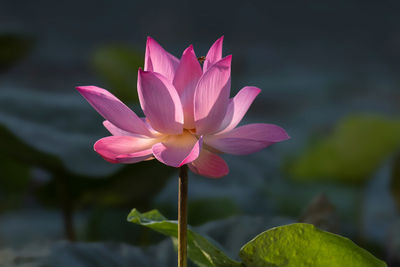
<point x="329" y="74"/>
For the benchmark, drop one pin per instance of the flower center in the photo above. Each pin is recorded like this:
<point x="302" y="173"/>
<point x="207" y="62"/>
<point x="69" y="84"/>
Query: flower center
<point x="192" y="131"/>
<point x="201" y="59"/>
<point x="185" y="139"/>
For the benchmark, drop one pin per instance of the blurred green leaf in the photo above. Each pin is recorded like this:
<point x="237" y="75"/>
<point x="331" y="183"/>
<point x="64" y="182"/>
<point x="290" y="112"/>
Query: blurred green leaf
<point x="15" y="176"/>
<point x="203" y="210"/>
<point x="321" y="213"/>
<point x="22" y="154"/>
<point x="118" y="66"/>
<point x="395" y="181"/>
<point x="109" y="224"/>
<point x="53" y="124"/>
<point x="304" y="245"/>
<point x="200" y="251"/>
<point x="13" y="47"/>
<point x="13" y="183"/>
<point x="96" y="254"/>
<point x="392" y="244"/>
<point x="351" y="153"/>
<point x="132" y="184"/>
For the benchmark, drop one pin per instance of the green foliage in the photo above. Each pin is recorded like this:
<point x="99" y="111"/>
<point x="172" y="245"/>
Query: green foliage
<point x="74" y="176"/>
<point x="13" y="47"/>
<point x="290" y="245"/>
<point x="395" y="181"/>
<point x="210" y="209"/>
<point x="321" y="213"/>
<point x="351" y="153"/>
<point x="52" y="124"/>
<point x="200" y="251"/>
<point x="23" y="153"/>
<point x="304" y="245"/>
<point x="109" y="223"/>
<point x="134" y="184"/>
<point x="15" y="167"/>
<point x="118" y="66"/>
<point x="13" y="183"/>
<point x="63" y="149"/>
<point x="14" y="175"/>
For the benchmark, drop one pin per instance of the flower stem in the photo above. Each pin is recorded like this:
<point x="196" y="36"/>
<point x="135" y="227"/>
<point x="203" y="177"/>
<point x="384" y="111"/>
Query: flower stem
<point x="182" y="216"/>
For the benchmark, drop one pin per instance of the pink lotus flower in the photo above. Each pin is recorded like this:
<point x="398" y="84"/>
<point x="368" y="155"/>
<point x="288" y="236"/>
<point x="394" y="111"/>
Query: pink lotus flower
<point x="190" y="118"/>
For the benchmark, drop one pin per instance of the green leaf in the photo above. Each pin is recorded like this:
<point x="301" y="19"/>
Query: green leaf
<point x="200" y="250"/>
<point x="351" y="153"/>
<point x="118" y="66"/>
<point x="304" y="245"/>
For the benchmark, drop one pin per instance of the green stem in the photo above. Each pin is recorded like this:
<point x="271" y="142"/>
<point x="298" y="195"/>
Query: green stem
<point x="182" y="216"/>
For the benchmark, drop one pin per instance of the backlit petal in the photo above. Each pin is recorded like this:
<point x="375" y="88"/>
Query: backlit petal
<point x="160" y="61"/>
<point x="185" y="81"/>
<point x="247" y="139"/>
<point x="125" y="149"/>
<point x="214" y="54"/>
<point x="114" y="130"/>
<point x="113" y="110"/>
<point x="151" y="129"/>
<point x="238" y="107"/>
<point x="160" y="102"/>
<point x="178" y="150"/>
<point x="210" y="165"/>
<point x="211" y="97"/>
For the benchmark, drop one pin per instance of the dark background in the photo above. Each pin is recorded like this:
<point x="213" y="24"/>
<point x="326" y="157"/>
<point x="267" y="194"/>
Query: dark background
<point x="328" y="73"/>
